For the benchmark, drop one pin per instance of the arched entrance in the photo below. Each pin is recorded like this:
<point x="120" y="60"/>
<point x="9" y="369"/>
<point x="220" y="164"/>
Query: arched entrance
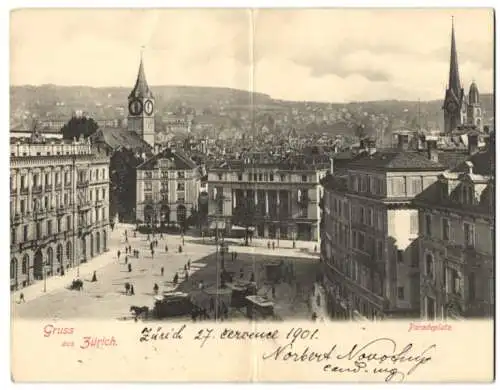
<point x="98" y="242"/>
<point x="59" y="257"/>
<point x="91" y="245"/>
<point x="104" y="238"/>
<point x="84" y="249"/>
<point x="181" y="214"/>
<point x="38" y="265"/>
<point x="164" y="214"/>
<point x="69" y="253"/>
<point x="148" y="214"/>
<point x="13" y="273"/>
<point x="50" y="261"/>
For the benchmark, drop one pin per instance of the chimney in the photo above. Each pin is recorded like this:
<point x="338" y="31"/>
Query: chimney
<point x="432" y="150"/>
<point x="331" y="165"/>
<point x="473" y="141"/>
<point x="372" y="146"/>
<point x="403" y="142"/>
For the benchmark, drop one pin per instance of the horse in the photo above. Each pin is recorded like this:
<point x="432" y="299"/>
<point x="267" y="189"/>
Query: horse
<point x="77" y="285"/>
<point x="139" y="311"/>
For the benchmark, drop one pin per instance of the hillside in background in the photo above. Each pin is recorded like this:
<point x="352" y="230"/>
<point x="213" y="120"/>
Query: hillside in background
<point x="51" y="101"/>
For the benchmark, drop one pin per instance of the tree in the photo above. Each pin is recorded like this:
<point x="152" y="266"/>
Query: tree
<point x="79" y="126"/>
<point x="244" y="215"/>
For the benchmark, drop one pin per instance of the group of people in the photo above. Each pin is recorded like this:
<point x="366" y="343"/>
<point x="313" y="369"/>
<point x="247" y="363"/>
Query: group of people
<point x="187" y="268"/>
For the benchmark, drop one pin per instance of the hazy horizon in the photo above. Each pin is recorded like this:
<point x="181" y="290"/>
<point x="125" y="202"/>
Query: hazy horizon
<point x="320" y="55"/>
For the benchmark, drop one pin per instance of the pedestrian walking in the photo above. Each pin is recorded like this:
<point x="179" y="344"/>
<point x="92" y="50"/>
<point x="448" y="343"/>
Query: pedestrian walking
<point x="176" y="278"/>
<point x="235" y="255"/>
<point x="273" y="245"/>
<point x="315" y="248"/>
<point x="129" y="267"/>
<point x="126" y="259"/>
<point x="186" y="275"/>
<point x="294" y="245"/>
<point x="161" y="236"/>
<point x="130" y="249"/>
<point x="273" y="291"/>
<point x="147" y="238"/>
<point x="201" y="285"/>
<point x="185" y="267"/>
<point x="21" y="298"/>
<point x="94" y="277"/>
<point x="269" y="245"/>
<point x="189" y="264"/>
<point x="166" y="248"/>
<point x="152" y="253"/>
<point x="162" y="271"/>
<point x="118" y="255"/>
<point x="135" y="234"/>
<point x="132" y="292"/>
<point x="126" y="239"/>
<point x="180" y="248"/>
<point x="212" y="304"/>
<point x="155" y="289"/>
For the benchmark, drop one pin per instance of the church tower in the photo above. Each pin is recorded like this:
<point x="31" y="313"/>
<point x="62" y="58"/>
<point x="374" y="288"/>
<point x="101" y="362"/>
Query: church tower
<point x="454" y="101"/>
<point x="141" y="108"/>
<point x="474" y="113"/>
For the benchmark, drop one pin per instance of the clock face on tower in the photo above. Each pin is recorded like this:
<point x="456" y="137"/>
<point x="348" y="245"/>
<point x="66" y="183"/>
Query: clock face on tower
<point x="135" y="107"/>
<point x="148" y="107"/>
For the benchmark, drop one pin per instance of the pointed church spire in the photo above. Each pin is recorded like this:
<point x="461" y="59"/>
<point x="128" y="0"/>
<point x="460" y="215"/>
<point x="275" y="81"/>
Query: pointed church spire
<point x="454" y="80"/>
<point x="141" y="88"/>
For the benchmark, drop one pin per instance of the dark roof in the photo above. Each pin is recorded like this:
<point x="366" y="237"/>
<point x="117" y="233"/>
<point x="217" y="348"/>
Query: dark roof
<point x="117" y="138"/>
<point x="141" y="88"/>
<point x="393" y="159"/>
<point x="483" y="163"/>
<point x="181" y="161"/>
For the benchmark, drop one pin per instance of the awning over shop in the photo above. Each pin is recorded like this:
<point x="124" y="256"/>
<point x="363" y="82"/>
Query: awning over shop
<point x="217" y="225"/>
<point x="241" y="228"/>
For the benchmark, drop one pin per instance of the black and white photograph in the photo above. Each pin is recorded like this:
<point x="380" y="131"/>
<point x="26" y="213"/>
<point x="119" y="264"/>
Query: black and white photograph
<point x="213" y="166"/>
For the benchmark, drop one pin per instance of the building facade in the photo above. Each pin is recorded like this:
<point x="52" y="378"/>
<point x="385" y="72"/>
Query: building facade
<point x="59" y="194"/>
<point x="168" y="187"/>
<point x="370" y="259"/>
<point x="285" y="197"/>
<point x="456" y="243"/>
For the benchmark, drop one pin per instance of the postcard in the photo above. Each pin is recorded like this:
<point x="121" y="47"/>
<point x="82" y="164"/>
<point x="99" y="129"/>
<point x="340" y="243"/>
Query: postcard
<point x="252" y="195"/>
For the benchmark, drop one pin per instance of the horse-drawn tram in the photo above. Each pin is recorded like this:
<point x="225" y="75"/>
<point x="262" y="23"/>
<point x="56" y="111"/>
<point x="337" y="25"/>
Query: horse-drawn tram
<point x="259" y="307"/>
<point x="172" y="304"/>
<point x="239" y="291"/>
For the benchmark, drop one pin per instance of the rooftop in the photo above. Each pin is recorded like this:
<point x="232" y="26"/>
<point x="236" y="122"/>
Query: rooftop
<point x="180" y="160"/>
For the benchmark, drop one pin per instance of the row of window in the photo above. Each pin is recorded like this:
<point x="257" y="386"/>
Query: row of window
<point x="60" y="200"/>
<point x="50" y="177"/>
<point x="366" y="184"/>
<point x="359" y="273"/>
<point x="83" y="220"/>
<point x="148" y="186"/>
<point x="164" y="174"/>
<point x="446" y="232"/>
<point x="263" y="177"/>
<point x="148" y="197"/>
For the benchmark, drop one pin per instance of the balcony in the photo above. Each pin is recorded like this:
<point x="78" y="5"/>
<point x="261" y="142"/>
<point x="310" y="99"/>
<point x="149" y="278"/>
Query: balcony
<point x="39" y="215"/>
<point x="58" y="186"/>
<point x="48" y="188"/>
<point x="99" y="203"/>
<point x="60" y="210"/>
<point x="82" y="184"/>
<point x="85" y="205"/>
<point x="16" y="218"/>
<point x="36" y="189"/>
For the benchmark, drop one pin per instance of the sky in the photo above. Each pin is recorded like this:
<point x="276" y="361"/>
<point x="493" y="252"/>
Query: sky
<point x="332" y="55"/>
